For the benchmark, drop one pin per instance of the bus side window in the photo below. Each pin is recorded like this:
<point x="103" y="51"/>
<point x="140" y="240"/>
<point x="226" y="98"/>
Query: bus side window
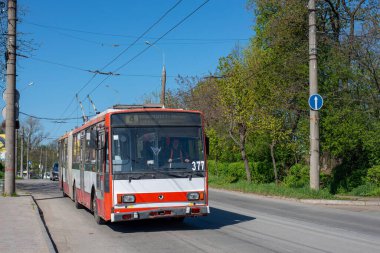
<point x="106" y="153"/>
<point x="100" y="151"/>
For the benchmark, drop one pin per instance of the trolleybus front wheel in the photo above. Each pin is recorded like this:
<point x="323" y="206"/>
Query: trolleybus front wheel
<point x="97" y="218"/>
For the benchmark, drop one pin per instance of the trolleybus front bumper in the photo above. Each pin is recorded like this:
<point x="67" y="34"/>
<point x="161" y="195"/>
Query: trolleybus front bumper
<point x="189" y="211"/>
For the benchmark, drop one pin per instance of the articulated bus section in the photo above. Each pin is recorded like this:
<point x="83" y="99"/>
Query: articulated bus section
<point x="137" y="163"/>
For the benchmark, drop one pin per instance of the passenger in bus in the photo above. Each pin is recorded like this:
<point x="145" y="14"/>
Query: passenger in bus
<point x="147" y="152"/>
<point x="177" y="154"/>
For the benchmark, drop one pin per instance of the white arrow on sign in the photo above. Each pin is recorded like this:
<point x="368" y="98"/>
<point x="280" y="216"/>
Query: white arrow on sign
<point x="316" y="103"/>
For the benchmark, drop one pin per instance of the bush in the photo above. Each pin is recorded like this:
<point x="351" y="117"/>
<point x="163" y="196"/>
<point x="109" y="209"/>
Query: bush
<point x="216" y="168"/>
<point x="236" y="171"/>
<point x="373" y="175"/>
<point x="1" y="175"/>
<point x="367" y="189"/>
<point x="262" y="172"/>
<point x="298" y="176"/>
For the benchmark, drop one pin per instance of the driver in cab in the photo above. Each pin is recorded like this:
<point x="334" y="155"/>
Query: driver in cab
<point x="176" y="153"/>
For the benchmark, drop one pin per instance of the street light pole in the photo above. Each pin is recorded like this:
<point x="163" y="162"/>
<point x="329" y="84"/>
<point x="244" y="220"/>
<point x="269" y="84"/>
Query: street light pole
<point x="163" y="74"/>
<point x="10" y="122"/>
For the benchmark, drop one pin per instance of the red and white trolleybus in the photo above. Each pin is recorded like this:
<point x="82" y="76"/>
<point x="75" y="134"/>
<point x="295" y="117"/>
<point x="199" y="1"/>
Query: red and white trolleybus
<point x="137" y="162"/>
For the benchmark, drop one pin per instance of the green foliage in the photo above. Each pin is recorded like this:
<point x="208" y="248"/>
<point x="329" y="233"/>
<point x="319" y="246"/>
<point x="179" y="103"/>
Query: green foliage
<point x="261" y="172"/>
<point x="1" y="175"/>
<point x="228" y="172"/>
<point x="297" y="176"/>
<point x="270" y="189"/>
<point x="260" y="104"/>
<point x="371" y="142"/>
<point x="373" y="175"/>
<point x="351" y="172"/>
<point x="366" y="190"/>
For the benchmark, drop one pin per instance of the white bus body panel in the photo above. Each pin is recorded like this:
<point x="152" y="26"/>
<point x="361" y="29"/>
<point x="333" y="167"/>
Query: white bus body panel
<point x="157" y="185"/>
<point x="89" y="180"/>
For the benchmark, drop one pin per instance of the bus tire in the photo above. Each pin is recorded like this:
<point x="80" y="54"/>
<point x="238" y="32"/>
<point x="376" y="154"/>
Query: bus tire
<point x="97" y="218"/>
<point x="77" y="204"/>
<point x="63" y="190"/>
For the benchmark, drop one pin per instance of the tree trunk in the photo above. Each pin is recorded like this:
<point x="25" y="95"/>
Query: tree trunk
<point x="273" y="161"/>
<point x="241" y="143"/>
<point x="242" y="135"/>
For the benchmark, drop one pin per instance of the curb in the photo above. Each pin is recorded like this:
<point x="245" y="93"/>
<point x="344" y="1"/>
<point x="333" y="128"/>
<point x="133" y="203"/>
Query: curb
<point x="48" y="239"/>
<point x="311" y="201"/>
<point x="341" y="202"/>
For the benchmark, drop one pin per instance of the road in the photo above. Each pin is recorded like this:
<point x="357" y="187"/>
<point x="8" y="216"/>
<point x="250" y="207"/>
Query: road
<point x="237" y="223"/>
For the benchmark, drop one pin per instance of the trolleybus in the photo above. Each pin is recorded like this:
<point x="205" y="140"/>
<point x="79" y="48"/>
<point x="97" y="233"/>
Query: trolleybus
<point x="137" y="162"/>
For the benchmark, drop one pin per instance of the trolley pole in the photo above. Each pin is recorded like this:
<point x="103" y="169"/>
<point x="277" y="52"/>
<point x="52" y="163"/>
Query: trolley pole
<point x="314" y="114"/>
<point x="9" y="179"/>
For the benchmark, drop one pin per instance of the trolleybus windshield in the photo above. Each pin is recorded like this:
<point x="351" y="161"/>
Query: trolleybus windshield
<point x="159" y="147"/>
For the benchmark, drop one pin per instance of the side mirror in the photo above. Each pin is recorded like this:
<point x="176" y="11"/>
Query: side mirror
<point x="207" y="145"/>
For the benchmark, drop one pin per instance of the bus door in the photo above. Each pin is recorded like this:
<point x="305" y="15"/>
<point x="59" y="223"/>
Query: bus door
<point x="64" y="163"/>
<point x="99" y="166"/>
<point x="100" y="170"/>
<point x="81" y="167"/>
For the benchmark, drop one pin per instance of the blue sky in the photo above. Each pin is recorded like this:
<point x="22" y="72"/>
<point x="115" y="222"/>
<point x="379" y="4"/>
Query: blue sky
<point x="86" y="35"/>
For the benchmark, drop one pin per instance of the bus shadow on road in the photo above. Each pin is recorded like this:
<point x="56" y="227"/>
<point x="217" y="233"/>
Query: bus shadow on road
<point x="217" y="219"/>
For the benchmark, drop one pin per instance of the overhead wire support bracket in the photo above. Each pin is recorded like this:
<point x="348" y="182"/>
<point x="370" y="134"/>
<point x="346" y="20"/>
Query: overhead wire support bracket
<point x="85" y="119"/>
<point x="103" y="73"/>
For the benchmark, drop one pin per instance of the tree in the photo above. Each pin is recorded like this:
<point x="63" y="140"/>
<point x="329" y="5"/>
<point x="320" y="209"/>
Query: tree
<point x="34" y="135"/>
<point x="237" y="102"/>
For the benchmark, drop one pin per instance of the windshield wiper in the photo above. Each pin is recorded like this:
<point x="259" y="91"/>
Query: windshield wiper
<point x="130" y="178"/>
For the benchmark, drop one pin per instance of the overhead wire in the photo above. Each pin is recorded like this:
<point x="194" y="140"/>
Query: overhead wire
<point x="124" y="35"/>
<point x="144" y="33"/>
<point x="152" y="44"/>
<point x="171" y="42"/>
<point x="147" y="48"/>
<point x="52" y="119"/>
<point x="125" y="50"/>
<point x="87" y="70"/>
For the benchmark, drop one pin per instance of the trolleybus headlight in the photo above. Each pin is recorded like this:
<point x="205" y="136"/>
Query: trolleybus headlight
<point x="193" y="196"/>
<point x="129" y="198"/>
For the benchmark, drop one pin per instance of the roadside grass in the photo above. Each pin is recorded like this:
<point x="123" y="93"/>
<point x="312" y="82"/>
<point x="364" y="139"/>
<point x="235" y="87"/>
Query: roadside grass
<point x="270" y="189"/>
<point x="366" y="190"/>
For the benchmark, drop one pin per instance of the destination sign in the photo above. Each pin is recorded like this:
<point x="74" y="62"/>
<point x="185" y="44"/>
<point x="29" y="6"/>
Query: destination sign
<point x="156" y="119"/>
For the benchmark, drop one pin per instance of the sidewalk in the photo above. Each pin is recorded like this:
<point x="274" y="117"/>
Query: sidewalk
<point x="21" y="227"/>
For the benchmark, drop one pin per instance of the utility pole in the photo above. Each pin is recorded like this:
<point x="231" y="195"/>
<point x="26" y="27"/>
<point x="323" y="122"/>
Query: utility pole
<point x="16" y="151"/>
<point x="22" y="153"/>
<point x="27" y="153"/>
<point x="10" y="122"/>
<point x="40" y="167"/>
<point x="163" y="75"/>
<point x="46" y="151"/>
<point x="314" y="114"/>
<point x="163" y="83"/>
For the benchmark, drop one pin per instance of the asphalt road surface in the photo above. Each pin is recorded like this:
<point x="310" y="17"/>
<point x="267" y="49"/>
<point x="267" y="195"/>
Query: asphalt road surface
<point x="237" y="223"/>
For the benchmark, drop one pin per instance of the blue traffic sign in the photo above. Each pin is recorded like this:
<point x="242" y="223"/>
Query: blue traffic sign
<point x="315" y="102"/>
